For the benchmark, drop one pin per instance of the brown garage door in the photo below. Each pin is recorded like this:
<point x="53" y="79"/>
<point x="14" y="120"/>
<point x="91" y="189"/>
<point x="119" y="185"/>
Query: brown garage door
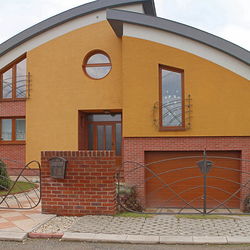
<point x="188" y="182"/>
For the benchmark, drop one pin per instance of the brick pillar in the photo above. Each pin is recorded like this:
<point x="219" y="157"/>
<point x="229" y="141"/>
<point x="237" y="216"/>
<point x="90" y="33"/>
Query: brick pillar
<point x="88" y="188"/>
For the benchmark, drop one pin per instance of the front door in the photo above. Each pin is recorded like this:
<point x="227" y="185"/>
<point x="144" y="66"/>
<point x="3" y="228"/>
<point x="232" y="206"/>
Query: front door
<point x="104" y="133"/>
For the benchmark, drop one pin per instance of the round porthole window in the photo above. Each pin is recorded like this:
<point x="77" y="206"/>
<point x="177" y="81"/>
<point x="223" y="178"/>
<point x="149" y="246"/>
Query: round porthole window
<point x="97" y="65"/>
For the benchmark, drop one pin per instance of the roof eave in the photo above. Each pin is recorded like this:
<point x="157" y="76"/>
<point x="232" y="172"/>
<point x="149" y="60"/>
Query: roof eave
<point x="69" y="15"/>
<point x="116" y="18"/>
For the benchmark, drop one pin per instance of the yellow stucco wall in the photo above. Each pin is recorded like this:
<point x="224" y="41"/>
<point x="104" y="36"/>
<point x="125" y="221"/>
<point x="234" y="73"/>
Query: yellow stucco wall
<point x="220" y="97"/>
<point x="59" y="88"/>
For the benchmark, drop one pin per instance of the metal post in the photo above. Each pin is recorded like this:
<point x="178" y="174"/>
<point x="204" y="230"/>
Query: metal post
<point x="28" y="96"/>
<point x="205" y="184"/>
<point x="189" y="106"/>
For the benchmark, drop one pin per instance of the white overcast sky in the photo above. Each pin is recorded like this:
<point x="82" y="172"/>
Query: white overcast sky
<point x="229" y="19"/>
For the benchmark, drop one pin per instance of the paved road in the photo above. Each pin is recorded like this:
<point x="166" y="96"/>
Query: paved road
<point x="55" y="244"/>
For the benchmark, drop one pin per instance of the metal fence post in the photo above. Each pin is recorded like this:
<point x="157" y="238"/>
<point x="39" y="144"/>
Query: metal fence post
<point x="205" y="183"/>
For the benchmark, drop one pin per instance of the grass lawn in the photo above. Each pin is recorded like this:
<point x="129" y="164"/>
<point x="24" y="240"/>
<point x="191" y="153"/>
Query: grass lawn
<point x="134" y="215"/>
<point x="19" y="187"/>
<point x="200" y="216"/>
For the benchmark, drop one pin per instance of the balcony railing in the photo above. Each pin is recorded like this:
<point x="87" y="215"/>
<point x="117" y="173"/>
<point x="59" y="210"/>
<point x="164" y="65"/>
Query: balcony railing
<point x="16" y="88"/>
<point x="173" y="114"/>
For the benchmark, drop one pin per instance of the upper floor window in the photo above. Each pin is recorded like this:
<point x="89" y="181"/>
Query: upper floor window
<point x="97" y="65"/>
<point x="171" y="99"/>
<point x="13" y="80"/>
<point x="12" y="129"/>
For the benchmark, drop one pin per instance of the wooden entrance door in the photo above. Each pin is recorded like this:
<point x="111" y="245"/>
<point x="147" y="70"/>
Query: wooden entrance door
<point x="104" y="133"/>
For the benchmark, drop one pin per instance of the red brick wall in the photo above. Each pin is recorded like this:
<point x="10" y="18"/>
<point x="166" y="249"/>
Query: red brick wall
<point x="88" y="188"/>
<point x="82" y="131"/>
<point x="13" y="151"/>
<point x="134" y="150"/>
<point x="17" y="108"/>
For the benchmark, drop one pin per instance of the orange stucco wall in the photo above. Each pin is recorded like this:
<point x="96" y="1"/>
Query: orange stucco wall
<point x="60" y="88"/>
<point x="219" y="97"/>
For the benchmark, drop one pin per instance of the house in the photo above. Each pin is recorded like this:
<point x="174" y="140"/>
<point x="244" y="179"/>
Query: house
<point x="111" y="75"/>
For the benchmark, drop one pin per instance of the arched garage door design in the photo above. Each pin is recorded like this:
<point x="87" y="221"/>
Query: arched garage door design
<point x="185" y="178"/>
<point x="187" y="182"/>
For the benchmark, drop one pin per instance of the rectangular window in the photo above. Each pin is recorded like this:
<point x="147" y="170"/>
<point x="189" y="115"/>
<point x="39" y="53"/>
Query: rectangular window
<point x="12" y="129"/>
<point x="171" y="99"/>
<point x="20" y="132"/>
<point x="21" y="79"/>
<point x="6" y="130"/>
<point x="13" y="80"/>
<point x="7" y="84"/>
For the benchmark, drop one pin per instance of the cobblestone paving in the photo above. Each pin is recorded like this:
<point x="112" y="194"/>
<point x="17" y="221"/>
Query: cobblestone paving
<point x="162" y="226"/>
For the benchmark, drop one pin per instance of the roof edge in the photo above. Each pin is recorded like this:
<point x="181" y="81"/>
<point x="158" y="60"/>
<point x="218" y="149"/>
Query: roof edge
<point x="67" y="16"/>
<point x="117" y="17"/>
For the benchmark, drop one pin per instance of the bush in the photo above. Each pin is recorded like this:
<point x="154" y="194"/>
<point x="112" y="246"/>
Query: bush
<point x="128" y="198"/>
<point x="4" y="177"/>
<point x="247" y="204"/>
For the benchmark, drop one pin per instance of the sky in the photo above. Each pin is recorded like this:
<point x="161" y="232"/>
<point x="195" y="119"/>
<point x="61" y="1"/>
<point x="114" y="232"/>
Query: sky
<point x="228" y="19"/>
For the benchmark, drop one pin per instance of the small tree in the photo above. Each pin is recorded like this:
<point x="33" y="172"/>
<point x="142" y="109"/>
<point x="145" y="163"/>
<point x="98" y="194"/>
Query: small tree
<point x="4" y="177"/>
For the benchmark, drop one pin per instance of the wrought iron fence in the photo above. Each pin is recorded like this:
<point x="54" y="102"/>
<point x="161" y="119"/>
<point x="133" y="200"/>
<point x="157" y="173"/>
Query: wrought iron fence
<point x="19" y="184"/>
<point x="203" y="188"/>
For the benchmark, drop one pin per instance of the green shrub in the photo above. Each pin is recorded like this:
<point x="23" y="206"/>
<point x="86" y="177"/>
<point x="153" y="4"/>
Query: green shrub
<point x="4" y="177"/>
<point x="247" y="204"/>
<point x="128" y="197"/>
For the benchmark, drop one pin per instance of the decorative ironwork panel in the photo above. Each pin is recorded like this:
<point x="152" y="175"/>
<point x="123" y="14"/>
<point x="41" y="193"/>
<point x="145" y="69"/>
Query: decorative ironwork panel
<point x="21" y="87"/>
<point x="203" y="185"/>
<point x="173" y="112"/>
<point x="19" y="184"/>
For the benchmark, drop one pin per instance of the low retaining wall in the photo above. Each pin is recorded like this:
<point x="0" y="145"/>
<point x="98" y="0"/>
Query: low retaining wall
<point x="88" y="188"/>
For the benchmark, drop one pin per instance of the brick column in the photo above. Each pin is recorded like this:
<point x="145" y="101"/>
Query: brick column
<point x="88" y="188"/>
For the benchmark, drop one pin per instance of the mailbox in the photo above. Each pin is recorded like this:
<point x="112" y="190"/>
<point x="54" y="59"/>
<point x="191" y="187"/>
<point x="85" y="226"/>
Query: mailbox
<point x="57" y="167"/>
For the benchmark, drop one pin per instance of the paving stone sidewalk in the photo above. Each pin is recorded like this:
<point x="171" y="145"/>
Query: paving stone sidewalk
<point x="162" y="225"/>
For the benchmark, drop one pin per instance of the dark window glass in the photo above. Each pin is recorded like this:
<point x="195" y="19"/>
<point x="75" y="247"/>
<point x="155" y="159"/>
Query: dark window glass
<point x="100" y="142"/>
<point x="108" y="137"/>
<point x="118" y="135"/>
<point x="90" y="136"/>
<point x="104" y="117"/>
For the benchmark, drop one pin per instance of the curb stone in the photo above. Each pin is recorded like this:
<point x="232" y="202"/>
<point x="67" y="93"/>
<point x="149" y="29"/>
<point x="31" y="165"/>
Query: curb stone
<point x="110" y="238"/>
<point x="185" y="240"/>
<point x="238" y="240"/>
<point x="13" y="236"/>
<point x="45" y="235"/>
<point x="143" y="239"/>
<point x="210" y="240"/>
<point x="88" y="237"/>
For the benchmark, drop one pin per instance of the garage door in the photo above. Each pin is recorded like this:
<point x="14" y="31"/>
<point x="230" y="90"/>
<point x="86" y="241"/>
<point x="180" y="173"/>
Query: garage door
<point x="184" y="178"/>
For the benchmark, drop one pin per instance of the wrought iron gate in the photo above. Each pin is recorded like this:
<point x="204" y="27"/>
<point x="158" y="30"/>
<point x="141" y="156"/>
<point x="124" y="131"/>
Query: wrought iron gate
<point x="19" y="184"/>
<point x="193" y="193"/>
